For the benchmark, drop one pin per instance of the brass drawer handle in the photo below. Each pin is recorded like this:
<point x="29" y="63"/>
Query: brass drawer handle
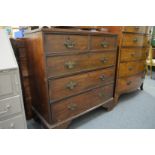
<point x="135" y="40"/>
<point x="104" y="44"/>
<point x="104" y="60"/>
<point x="71" y="85"/>
<point x="128" y="83"/>
<point x="70" y="64"/>
<point x="130" y="68"/>
<point x="69" y="43"/>
<point x="72" y="107"/>
<point x="102" y="77"/>
<point x="101" y="95"/>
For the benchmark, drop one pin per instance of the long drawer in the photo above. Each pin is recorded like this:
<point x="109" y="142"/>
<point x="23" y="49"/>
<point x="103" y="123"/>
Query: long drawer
<point x="135" y="40"/>
<point x="68" y="64"/>
<point x="55" y="43"/>
<point x="13" y="123"/>
<point x="10" y="106"/>
<point x="75" y="105"/>
<point x="64" y="87"/>
<point x="131" y="68"/>
<point x="130" y="83"/>
<point x="130" y="54"/>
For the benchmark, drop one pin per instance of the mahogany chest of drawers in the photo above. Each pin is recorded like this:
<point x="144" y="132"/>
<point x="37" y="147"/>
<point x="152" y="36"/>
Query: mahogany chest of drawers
<point x="134" y="42"/>
<point x="72" y="73"/>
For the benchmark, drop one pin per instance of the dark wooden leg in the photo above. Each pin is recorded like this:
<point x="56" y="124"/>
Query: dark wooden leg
<point x="109" y="106"/>
<point x="116" y="98"/>
<point x="141" y="87"/>
<point x="112" y="104"/>
<point x="63" y="126"/>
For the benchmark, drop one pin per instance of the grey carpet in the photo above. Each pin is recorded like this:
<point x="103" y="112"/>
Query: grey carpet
<point x="134" y="111"/>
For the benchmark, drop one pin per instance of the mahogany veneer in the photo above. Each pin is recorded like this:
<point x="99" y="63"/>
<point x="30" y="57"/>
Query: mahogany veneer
<point x="72" y="72"/>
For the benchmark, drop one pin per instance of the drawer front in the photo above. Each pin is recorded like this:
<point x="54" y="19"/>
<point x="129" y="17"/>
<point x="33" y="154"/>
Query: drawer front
<point x="103" y="43"/>
<point x="135" y="29"/>
<point x="128" y="54"/>
<point x="80" y="103"/>
<point x="135" y="40"/>
<point x="65" y="43"/>
<point x="130" y="83"/>
<point x="13" y="123"/>
<point x="67" y="64"/>
<point x="10" y="106"/>
<point x="131" y="68"/>
<point x="63" y="87"/>
<point x="9" y="84"/>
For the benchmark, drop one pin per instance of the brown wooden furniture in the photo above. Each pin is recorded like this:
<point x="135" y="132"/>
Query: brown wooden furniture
<point x="73" y="72"/>
<point x="20" y="49"/>
<point x="133" y="42"/>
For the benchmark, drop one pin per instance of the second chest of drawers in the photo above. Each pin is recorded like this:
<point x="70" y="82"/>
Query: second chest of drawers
<point x="134" y="42"/>
<point x="72" y="72"/>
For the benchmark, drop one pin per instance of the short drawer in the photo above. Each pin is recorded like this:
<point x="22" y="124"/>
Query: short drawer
<point x="64" y="87"/>
<point x="10" y="106"/>
<point x="68" y="64"/>
<point x="135" y="29"/>
<point x="131" y="68"/>
<point x="103" y="43"/>
<point x="130" y="83"/>
<point x="130" y="54"/>
<point x="135" y="40"/>
<point x="13" y="123"/>
<point x="75" y="105"/>
<point x="65" y="43"/>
